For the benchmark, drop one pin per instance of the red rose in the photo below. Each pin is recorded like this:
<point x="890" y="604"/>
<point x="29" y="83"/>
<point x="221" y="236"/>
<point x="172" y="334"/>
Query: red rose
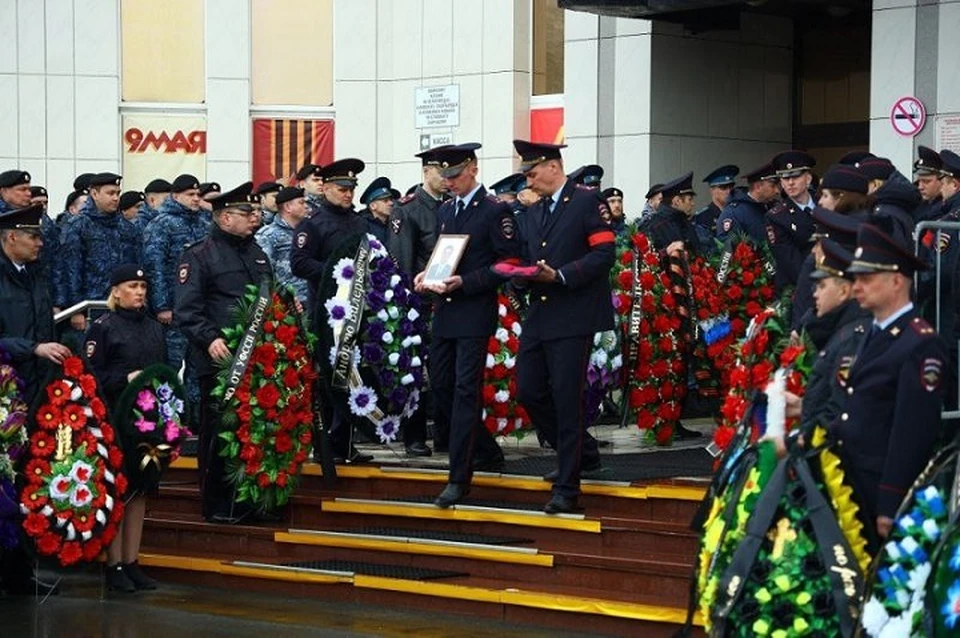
<point x="268" y="326"/>
<point x="761" y="341"/>
<point x="665" y="345"/>
<point x="281" y="479"/>
<point x="645" y="327"/>
<point x="645" y="420"/>
<point x="488" y="392"/>
<point x="648" y="304"/>
<point x="664" y="435"/>
<point x="766" y="292"/>
<point x="661" y="324"/>
<point x="284" y="443"/>
<point x="640" y="242"/>
<point x="668" y="301"/>
<point x="666" y="390"/>
<point x="499" y="372"/>
<point x="493" y="346"/>
<point x="263" y="481"/>
<point x="626" y="258"/>
<point x="723" y="435"/>
<point x="91" y="550"/>
<point x="625" y="279"/>
<point x="286" y="335"/>
<point x="491" y="424"/>
<point x="790" y="355"/>
<point x="652" y="260"/>
<point x="660" y="368"/>
<point x="73" y="367"/>
<point x="267" y="396"/>
<point x="734" y="292"/>
<point x="48" y="544"/>
<point x="36" y="524"/>
<point x="760" y="374"/>
<point x="747" y="278"/>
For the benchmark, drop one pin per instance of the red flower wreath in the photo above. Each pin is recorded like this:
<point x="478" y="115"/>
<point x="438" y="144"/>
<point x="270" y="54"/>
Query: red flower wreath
<point x="502" y="413"/>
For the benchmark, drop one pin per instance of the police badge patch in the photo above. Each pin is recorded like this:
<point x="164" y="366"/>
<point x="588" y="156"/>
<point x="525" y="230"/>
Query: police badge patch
<point x="930" y="374"/>
<point x="727" y="225"/>
<point x="507" y="228"/>
<point x="943" y="242"/>
<point x="395" y="225"/>
<point x="90" y="348"/>
<point x="843" y="370"/>
<point x="771" y="234"/>
<point x="301" y="240"/>
<point x="183" y="273"/>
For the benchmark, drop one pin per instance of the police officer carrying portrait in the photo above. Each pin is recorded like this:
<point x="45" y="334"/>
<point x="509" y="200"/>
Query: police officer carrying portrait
<point x="378" y="198"/>
<point x="569" y="303"/>
<point x="746" y="211"/>
<point x="267" y="192"/>
<point x="276" y="238"/>
<point x="212" y="275"/>
<point x="465" y="315"/>
<point x="720" y="181"/>
<point x="890" y="420"/>
<point x="314" y="241"/>
<point x="790" y="223"/>
<point x="97" y="240"/>
<point x="153" y="196"/>
<point x="27" y="335"/>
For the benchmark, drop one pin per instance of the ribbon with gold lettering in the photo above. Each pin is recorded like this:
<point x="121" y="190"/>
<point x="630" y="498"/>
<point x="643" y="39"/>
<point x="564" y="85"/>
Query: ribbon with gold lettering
<point x="343" y="363"/>
<point x="249" y="341"/>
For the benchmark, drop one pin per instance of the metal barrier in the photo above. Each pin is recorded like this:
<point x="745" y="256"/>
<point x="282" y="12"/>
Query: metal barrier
<point x="84" y="307"/>
<point x="918" y="233"/>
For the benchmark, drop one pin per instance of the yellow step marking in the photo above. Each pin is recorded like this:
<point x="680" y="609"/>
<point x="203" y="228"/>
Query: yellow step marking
<point x="214" y="566"/>
<point x="415" y="546"/>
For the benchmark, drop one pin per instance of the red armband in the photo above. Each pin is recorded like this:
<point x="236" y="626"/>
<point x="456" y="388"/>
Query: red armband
<point x="601" y="237"/>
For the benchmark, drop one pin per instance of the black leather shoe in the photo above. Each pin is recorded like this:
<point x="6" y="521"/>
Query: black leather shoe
<point x="687" y="434"/>
<point x="418" y="448"/>
<point x="140" y="580"/>
<point x="561" y="505"/>
<point x="452" y="494"/>
<point x="117" y="580"/>
<point x="495" y="464"/>
<point x="32" y="586"/>
<point x="593" y="472"/>
<point x="222" y="518"/>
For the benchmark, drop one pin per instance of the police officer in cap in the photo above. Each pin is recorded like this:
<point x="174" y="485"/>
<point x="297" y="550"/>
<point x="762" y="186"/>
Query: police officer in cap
<point x="379" y="200"/>
<point x="212" y="275"/>
<point x="569" y="302"/>
<point x="651" y="201"/>
<point x="16" y="192"/>
<point x="720" y="181"/>
<point x="130" y="202"/>
<point x="314" y="241"/>
<point x="465" y="315"/>
<point x="927" y="173"/>
<point x="890" y="420"/>
<point x="506" y="189"/>
<point x="671" y="228"/>
<point x="613" y="196"/>
<point x="855" y="158"/>
<point x="27" y="335"/>
<point x="746" y="211"/>
<point x="310" y="179"/>
<point x="588" y="176"/>
<point x="267" y="192"/>
<point x="154" y="194"/>
<point x="789" y="223"/>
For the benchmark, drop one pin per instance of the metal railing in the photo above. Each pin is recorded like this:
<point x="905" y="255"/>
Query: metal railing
<point x="83" y="307"/>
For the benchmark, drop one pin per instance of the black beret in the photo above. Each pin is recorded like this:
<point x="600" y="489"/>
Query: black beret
<point x="130" y="198"/>
<point x="27" y="218"/>
<point x="611" y="192"/>
<point x="855" y="158"/>
<point x="268" y="187"/>
<point x="847" y="178"/>
<point x="307" y="170"/>
<point x="212" y="187"/>
<point x="12" y="178"/>
<point x="158" y="186"/>
<point x="184" y="183"/>
<point x="288" y="193"/>
<point x="127" y="272"/>
<point x="654" y="190"/>
<point x="38" y="191"/>
<point x="533" y="153"/>
<point x="82" y="181"/>
<point x="72" y="197"/>
<point x="105" y="179"/>
<point x="343" y="172"/>
<point x="240" y="196"/>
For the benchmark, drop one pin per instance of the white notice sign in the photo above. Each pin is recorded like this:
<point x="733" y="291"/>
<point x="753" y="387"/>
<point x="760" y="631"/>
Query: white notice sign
<point x="438" y="106"/>
<point x="948" y="132"/>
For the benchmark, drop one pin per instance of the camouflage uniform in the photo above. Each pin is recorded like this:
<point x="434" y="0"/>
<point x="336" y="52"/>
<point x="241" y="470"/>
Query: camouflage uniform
<point x="276" y="239"/>
<point x="145" y="215"/>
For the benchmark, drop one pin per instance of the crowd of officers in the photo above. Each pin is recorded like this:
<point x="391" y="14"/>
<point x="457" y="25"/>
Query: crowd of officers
<point x="841" y="245"/>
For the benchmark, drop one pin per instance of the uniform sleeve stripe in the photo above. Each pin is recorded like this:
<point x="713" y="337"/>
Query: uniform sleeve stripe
<point x="601" y="237"/>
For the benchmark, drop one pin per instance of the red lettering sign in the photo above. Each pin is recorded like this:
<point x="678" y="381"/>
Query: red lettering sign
<point x="191" y="143"/>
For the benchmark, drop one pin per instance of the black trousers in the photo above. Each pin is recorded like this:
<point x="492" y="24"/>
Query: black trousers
<point x="217" y="495"/>
<point x="415" y="428"/>
<point x="550" y="381"/>
<point x="457" y="375"/>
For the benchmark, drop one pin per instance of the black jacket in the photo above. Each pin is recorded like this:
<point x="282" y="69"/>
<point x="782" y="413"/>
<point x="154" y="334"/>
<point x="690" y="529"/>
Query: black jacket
<point x="743" y="214"/>
<point x="837" y="336"/>
<point x="413" y="231"/>
<point x="668" y="225"/>
<point x="789" y="231"/>
<point x="213" y="274"/>
<point x="575" y="240"/>
<point x="26" y="319"/>
<point x="119" y="343"/>
<point x="375" y="227"/>
<point x="894" y="203"/>
<point x="471" y="310"/>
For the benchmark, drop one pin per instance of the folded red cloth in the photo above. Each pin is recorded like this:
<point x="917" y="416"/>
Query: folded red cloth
<point x="509" y="270"/>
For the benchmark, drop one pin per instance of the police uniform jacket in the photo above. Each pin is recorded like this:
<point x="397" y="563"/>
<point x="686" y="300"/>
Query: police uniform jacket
<point x="789" y="231"/>
<point x="928" y="210"/>
<point x="276" y="240"/>
<point x="668" y="225"/>
<point x="890" y="420"/>
<point x="375" y="227"/>
<point x="121" y="342"/>
<point x="26" y="319"/>
<point x="836" y="336"/>
<point x="894" y="201"/>
<point x="413" y="231"/>
<point x="707" y="217"/>
<point x="211" y="277"/>
<point x="145" y="215"/>
<point x="743" y="214"/>
<point x="471" y="310"/>
<point x="165" y="239"/>
<point x="316" y="238"/>
<point x="575" y="240"/>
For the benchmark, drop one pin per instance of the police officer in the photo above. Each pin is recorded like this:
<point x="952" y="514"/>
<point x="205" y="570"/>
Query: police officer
<point x="927" y="172"/>
<point x="789" y="223"/>
<point x="855" y="158"/>
<point x="27" y="335"/>
<point x="613" y="197"/>
<point x="212" y="275"/>
<point x="894" y="197"/>
<point x="72" y="206"/>
<point x="276" y="238"/>
<point x="315" y="240"/>
<point x="267" y="192"/>
<point x="465" y="315"/>
<point x="891" y="418"/>
<point x="505" y="190"/>
<point x="671" y="228"/>
<point x="589" y="175"/>
<point x="651" y="201"/>
<point x="569" y="302"/>
<point x="38" y="195"/>
<point x="720" y="181"/>
<point x="413" y="235"/>
<point x="310" y="179"/>
<point x="178" y="225"/>
<point x="379" y="200"/>
<point x="130" y="203"/>
<point x="98" y="240"/>
<point x="16" y="192"/>
<point x="208" y="190"/>
<point x="153" y="195"/>
<point x="746" y="211"/>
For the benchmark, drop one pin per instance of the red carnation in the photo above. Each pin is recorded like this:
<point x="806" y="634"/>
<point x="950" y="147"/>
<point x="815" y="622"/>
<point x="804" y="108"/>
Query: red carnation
<point x="116" y="457"/>
<point x="665" y="345"/>
<point x="645" y="420"/>
<point x="73" y="367"/>
<point x="493" y="346"/>
<point x="70" y="553"/>
<point x="641" y="242"/>
<point x="286" y="335"/>
<point x="626" y="258"/>
<point x="669" y="301"/>
<point x="58" y="392"/>
<point x="660" y="368"/>
<point x="761" y="374"/>
<point x="723" y="435"/>
<point x="268" y="326"/>
<point x="500" y="371"/>
<point x="734" y="292"/>
<point x="42" y="445"/>
<point x="761" y="341"/>
<point x="625" y="279"/>
<point x="36" y="524"/>
<point x="664" y="435"/>
<point x="88" y="384"/>
<point x="652" y="260"/>
<point x="284" y="443"/>
<point x="290" y="377"/>
<point x="98" y="408"/>
<point x="747" y="278"/>
<point x="281" y="479"/>
<point x="48" y="544"/>
<point x="263" y="481"/>
<point x="488" y="393"/>
<point x="91" y="550"/>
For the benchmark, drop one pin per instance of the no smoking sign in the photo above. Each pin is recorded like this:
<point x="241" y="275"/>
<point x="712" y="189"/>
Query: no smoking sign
<point x="908" y="116"/>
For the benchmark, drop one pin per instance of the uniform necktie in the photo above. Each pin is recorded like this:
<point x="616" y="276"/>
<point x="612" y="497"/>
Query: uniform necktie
<point x="460" y="207"/>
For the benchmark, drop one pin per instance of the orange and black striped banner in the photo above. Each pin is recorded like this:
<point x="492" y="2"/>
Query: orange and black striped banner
<point x="281" y="147"/>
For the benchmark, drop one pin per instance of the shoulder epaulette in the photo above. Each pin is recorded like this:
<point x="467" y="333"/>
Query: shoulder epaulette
<point x="406" y="199"/>
<point x="922" y="327"/>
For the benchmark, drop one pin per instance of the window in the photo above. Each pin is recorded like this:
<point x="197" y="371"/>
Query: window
<point x="547" y="47"/>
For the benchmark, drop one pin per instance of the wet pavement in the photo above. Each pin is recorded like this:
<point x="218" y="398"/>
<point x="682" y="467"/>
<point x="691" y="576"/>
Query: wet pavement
<point x="81" y="612"/>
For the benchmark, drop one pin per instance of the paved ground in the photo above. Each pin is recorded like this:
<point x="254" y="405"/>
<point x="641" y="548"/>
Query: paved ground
<point x="181" y="612"/>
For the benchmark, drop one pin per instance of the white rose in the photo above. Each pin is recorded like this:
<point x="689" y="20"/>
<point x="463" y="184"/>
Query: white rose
<point x="502" y="335"/>
<point x="501" y="396"/>
<point x="394" y="313"/>
<point x="387" y="338"/>
<point x="393" y="358"/>
<point x="491" y="361"/>
<point x="412" y="314"/>
<point x="510" y="362"/>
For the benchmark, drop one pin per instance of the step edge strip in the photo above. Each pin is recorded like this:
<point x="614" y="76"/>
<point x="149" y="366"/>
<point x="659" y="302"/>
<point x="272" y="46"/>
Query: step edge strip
<point x="290" y="568"/>
<point x="413" y="540"/>
<point x="464" y="508"/>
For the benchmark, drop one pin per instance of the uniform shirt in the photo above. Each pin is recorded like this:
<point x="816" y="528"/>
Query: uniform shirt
<point x="211" y="277"/>
<point x="276" y="240"/>
<point x="413" y="230"/>
<point x="121" y="342"/>
<point x="165" y="239"/>
<point x="93" y="244"/>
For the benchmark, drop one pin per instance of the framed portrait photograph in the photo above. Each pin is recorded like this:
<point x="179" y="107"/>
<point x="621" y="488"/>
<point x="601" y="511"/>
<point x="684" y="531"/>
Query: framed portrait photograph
<point x="445" y="258"/>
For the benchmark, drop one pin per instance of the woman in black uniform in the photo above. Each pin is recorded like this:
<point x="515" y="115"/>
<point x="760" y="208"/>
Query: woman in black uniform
<point x="119" y="345"/>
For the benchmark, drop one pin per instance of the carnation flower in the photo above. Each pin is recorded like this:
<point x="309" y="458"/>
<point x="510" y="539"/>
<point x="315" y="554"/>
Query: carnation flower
<point x="387" y="428"/>
<point x="387" y="338"/>
<point x="502" y="310"/>
<point x="491" y="361"/>
<point x="363" y="400"/>
<point x="343" y="271"/>
<point x="336" y="311"/>
<point x="144" y="425"/>
<point x="146" y="400"/>
<point x="413" y="315"/>
<point x="502" y="396"/>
